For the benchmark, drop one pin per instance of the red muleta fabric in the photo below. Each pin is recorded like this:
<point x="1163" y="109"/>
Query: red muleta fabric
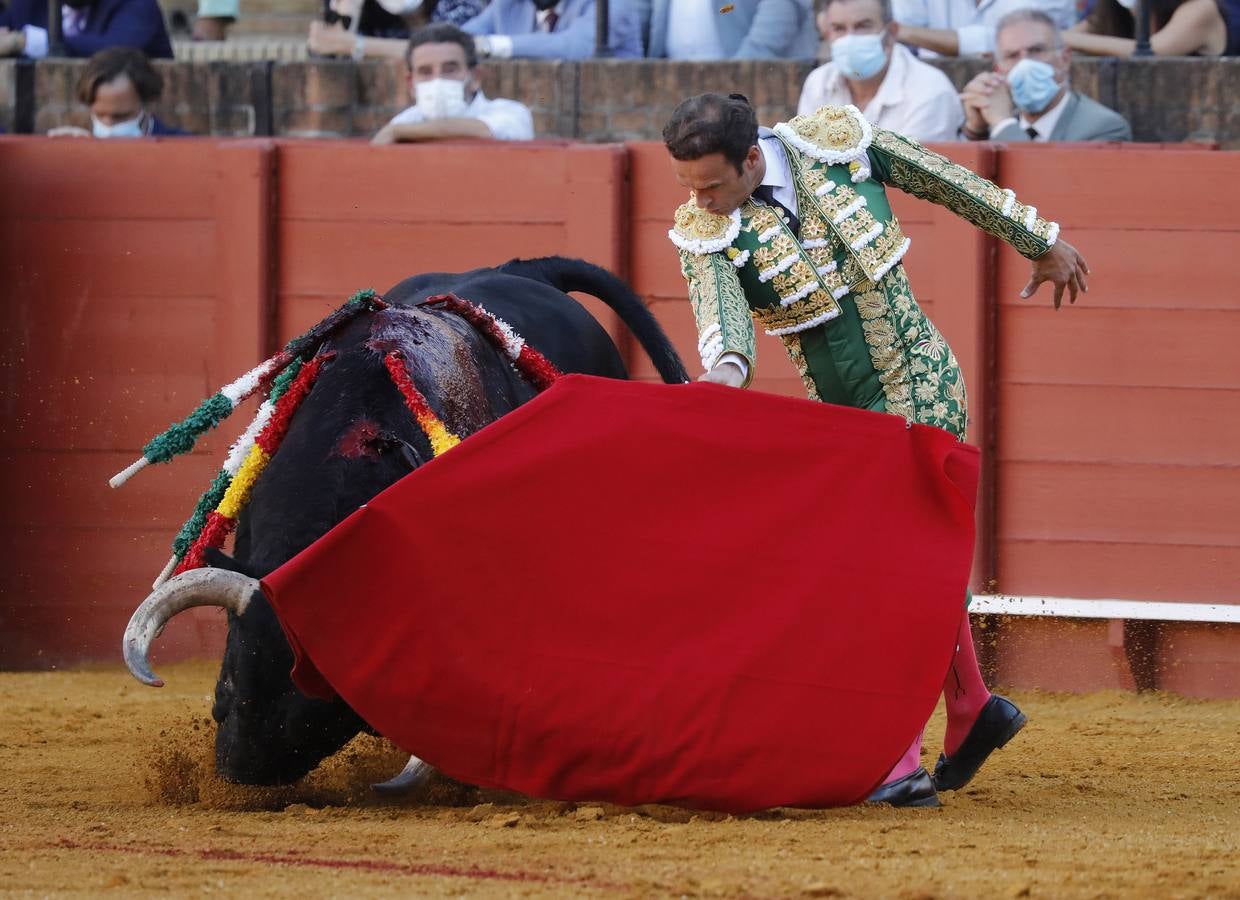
<point x="647" y="593"/>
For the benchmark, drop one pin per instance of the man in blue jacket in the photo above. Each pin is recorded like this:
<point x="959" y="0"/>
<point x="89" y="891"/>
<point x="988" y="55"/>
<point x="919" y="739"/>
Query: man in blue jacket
<point x="553" y="29"/>
<point x="89" y="26"/>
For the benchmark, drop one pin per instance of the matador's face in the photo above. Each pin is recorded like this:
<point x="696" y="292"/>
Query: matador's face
<point x="716" y="184"/>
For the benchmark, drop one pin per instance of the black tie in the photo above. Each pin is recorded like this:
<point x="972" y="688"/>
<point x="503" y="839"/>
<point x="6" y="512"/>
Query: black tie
<point x="766" y="193"/>
<point x="1032" y="132"/>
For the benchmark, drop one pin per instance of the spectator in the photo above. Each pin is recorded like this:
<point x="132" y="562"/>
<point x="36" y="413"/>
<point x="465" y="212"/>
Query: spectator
<point x="1178" y="28"/>
<point x="119" y="85"/>
<point x="966" y="28"/>
<point x="554" y="30"/>
<point x="892" y="88"/>
<point x="743" y="29"/>
<point x="443" y="79"/>
<point x="385" y="25"/>
<point x="214" y="17"/>
<point x="1027" y="97"/>
<point x="89" y="26"/>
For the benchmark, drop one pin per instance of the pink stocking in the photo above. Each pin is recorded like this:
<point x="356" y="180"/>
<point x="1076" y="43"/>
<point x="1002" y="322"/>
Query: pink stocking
<point x="964" y="692"/>
<point x="909" y="763"/>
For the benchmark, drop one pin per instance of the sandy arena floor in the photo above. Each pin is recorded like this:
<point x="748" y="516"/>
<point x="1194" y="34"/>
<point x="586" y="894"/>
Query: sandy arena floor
<point x="107" y="791"/>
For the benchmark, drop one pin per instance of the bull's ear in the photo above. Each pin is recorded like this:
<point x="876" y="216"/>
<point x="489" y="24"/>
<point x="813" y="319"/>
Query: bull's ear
<point x="218" y="559"/>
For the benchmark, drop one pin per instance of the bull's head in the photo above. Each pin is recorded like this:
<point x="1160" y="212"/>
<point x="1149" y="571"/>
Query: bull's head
<point x="351" y="438"/>
<point x="268" y="731"/>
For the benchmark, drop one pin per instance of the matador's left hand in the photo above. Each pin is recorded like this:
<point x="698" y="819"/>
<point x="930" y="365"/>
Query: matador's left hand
<point x="1063" y="267"/>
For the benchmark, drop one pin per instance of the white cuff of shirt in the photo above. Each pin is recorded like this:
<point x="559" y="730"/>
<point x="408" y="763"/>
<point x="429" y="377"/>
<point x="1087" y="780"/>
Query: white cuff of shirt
<point x="501" y="46"/>
<point x="737" y="360"/>
<point x="36" y="41"/>
<point x="975" y="39"/>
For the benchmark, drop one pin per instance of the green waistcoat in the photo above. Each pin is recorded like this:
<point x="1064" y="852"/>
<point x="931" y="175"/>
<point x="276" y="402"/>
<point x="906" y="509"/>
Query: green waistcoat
<point x="837" y="296"/>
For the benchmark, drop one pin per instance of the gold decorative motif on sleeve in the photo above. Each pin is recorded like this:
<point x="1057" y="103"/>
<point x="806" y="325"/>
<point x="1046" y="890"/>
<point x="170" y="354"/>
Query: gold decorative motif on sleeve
<point x="927" y="175"/>
<point x="719" y="307"/>
<point x="792" y="343"/>
<point x="813" y="310"/>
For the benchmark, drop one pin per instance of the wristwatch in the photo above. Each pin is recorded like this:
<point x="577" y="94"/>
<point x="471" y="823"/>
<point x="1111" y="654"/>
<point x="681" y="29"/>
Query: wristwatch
<point x="482" y="43"/>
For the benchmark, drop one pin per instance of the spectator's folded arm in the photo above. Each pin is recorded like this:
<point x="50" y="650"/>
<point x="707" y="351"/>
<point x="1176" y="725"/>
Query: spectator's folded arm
<point x="773" y="31"/>
<point x="135" y="24"/>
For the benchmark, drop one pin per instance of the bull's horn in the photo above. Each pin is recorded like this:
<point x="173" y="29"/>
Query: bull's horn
<point x="197" y="587"/>
<point x="411" y="776"/>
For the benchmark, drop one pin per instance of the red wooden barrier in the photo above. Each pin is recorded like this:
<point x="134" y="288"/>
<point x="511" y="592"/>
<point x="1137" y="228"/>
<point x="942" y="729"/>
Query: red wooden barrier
<point x="1119" y="419"/>
<point x="352" y="216"/>
<point x="135" y="276"/>
<point x="142" y="276"/>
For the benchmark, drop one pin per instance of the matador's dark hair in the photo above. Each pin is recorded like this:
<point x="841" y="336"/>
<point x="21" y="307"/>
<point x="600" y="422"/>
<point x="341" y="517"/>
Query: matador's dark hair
<point x="712" y="123"/>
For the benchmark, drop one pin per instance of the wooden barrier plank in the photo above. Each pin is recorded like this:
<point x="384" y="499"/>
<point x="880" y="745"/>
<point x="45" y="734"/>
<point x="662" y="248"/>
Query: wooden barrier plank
<point x="334" y="259"/>
<point x="1089" y="188"/>
<point x="1106" y="424"/>
<point x="425" y="184"/>
<point x="61" y="180"/>
<point x="1121" y="502"/>
<point x="70" y="490"/>
<point x="1082" y="658"/>
<point x="90" y="261"/>
<point x="656" y="194"/>
<point x="244" y="229"/>
<point x="1153" y="269"/>
<point x="1171" y="572"/>
<point x="1199" y="661"/>
<point x="1138" y="348"/>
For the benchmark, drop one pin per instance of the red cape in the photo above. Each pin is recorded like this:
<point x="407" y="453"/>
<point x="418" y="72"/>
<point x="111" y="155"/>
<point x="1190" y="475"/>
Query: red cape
<point x="649" y="593"/>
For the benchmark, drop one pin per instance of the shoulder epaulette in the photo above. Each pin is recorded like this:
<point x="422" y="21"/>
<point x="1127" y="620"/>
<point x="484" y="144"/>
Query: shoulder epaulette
<point x="836" y="135"/>
<point x="701" y="231"/>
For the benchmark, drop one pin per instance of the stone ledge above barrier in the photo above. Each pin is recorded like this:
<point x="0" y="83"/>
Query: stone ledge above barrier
<point x="1167" y="100"/>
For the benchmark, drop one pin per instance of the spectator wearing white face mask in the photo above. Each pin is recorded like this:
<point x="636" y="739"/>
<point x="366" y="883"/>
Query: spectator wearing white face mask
<point x="119" y="85"/>
<point x="448" y="103"/>
<point x="1027" y="97"/>
<point x="868" y="69"/>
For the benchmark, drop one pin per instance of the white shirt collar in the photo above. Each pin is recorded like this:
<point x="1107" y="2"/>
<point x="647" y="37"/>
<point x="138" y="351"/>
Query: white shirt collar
<point x="777" y="169"/>
<point x="1046" y="123"/>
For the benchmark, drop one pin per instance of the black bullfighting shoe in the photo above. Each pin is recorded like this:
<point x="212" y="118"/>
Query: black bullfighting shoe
<point x="914" y="789"/>
<point x="996" y="724"/>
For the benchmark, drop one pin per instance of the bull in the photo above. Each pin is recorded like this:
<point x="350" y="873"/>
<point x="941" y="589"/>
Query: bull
<point x="351" y="438"/>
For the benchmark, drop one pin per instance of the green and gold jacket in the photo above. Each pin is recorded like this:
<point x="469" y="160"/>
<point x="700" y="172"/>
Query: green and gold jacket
<point x="750" y="266"/>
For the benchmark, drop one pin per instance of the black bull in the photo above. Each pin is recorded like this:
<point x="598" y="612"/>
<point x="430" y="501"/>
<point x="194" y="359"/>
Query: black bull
<point x="352" y="437"/>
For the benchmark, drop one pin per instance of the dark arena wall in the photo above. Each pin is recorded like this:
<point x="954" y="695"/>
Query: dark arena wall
<point x="1108" y="429"/>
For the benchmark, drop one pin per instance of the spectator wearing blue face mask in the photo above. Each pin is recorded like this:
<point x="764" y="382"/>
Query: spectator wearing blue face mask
<point x="868" y="69"/>
<point x="1027" y="97"/>
<point x="119" y="86"/>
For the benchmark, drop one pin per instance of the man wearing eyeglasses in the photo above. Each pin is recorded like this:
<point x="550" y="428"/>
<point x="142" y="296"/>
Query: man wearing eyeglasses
<point x="1027" y="97"/>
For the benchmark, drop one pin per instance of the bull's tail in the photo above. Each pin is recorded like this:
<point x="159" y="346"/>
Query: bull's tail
<point x="576" y="275"/>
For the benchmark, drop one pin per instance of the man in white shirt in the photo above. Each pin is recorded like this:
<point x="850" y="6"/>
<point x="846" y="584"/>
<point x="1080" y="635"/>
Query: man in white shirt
<point x="443" y="79"/>
<point x="1027" y="98"/>
<point x="868" y="69"/>
<point x="967" y="27"/>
